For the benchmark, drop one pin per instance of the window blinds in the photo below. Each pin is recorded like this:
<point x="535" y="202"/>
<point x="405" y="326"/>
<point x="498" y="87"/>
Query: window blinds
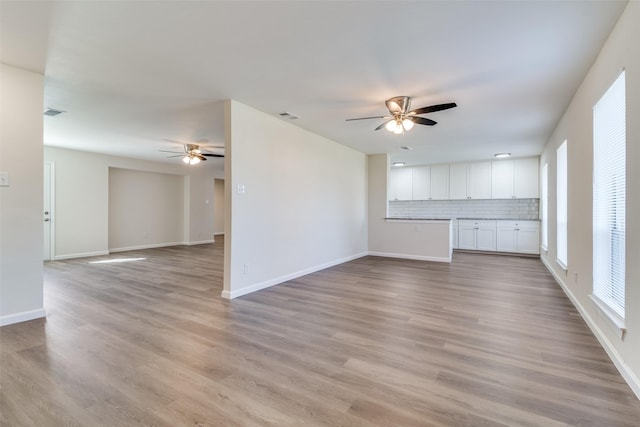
<point x="561" y="205"/>
<point x="544" y="210"/>
<point x="609" y="194"/>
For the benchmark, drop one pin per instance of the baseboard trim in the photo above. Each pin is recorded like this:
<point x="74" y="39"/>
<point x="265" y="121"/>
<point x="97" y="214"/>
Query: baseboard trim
<point x="413" y="257"/>
<point x="151" y="246"/>
<point x="80" y="255"/>
<point x="628" y="375"/>
<point x="278" y="280"/>
<point x="201" y="242"/>
<point x="23" y="316"/>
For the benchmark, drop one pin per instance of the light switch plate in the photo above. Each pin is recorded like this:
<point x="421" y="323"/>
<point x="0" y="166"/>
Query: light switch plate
<point x="4" y="179"/>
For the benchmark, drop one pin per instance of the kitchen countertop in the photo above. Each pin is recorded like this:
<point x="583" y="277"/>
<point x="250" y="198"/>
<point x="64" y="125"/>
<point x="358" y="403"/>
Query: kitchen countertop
<point x="459" y="218"/>
<point x="418" y="219"/>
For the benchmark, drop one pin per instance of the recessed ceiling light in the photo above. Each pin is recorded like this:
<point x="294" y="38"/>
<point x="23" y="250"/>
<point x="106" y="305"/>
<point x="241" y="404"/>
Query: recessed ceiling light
<point x="398" y="164"/>
<point x="406" y="147"/>
<point x="502" y="155"/>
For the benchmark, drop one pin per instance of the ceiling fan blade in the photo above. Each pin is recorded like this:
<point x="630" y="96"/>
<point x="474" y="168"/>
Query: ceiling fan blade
<point x="212" y="155"/>
<point x="165" y="151"/>
<point x="383" y="124"/>
<point x="422" y="121"/>
<point x="367" y="118"/>
<point x="178" y="155"/>
<point x="200" y="157"/>
<point x="433" y="108"/>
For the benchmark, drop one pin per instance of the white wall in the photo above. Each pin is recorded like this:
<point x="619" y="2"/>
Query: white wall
<point x="82" y="200"/>
<point x="620" y="51"/>
<point x="21" y="218"/>
<point x="305" y="202"/>
<point x="218" y="207"/>
<point x="145" y="207"/>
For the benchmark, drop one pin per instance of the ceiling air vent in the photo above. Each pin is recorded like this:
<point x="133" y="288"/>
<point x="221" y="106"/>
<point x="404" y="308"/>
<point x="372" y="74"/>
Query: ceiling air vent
<point x="287" y="115"/>
<point x="52" y="112"/>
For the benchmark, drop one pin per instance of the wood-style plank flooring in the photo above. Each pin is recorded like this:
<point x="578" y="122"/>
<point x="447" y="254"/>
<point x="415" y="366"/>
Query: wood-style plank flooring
<point x="485" y="341"/>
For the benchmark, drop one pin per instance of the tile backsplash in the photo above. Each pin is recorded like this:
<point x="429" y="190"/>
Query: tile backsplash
<point x="519" y="209"/>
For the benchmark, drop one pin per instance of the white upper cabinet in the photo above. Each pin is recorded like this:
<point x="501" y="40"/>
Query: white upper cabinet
<point x="470" y="180"/>
<point x="401" y="184"/>
<point x="502" y="179"/>
<point x="498" y="179"/>
<point x="440" y="182"/>
<point x="525" y="178"/>
<point x="458" y="177"/>
<point x="421" y="182"/>
<point x="515" y="179"/>
<point x="479" y="180"/>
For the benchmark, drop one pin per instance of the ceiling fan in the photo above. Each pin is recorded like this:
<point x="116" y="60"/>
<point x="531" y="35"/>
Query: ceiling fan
<point x="401" y="119"/>
<point x="193" y="153"/>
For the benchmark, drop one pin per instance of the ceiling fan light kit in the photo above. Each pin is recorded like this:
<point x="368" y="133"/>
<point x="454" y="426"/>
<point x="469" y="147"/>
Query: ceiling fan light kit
<point x="192" y="154"/>
<point x="402" y="119"/>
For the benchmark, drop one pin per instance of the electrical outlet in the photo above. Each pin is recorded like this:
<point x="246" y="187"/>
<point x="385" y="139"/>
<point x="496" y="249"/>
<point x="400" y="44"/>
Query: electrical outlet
<point x="4" y="179"/>
<point x="246" y="269"/>
<point x="575" y="278"/>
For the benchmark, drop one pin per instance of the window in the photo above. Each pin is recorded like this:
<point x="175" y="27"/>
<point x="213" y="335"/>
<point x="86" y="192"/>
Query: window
<point x="544" y="209"/>
<point x="609" y="194"/>
<point x="561" y="205"/>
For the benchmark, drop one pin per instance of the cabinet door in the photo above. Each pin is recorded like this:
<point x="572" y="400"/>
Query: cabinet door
<point x="458" y="181"/>
<point x="526" y="178"/>
<point x="506" y="236"/>
<point x="486" y="238"/>
<point x="502" y="179"/>
<point x="528" y="237"/>
<point x="466" y="235"/>
<point x="421" y="183"/>
<point x="479" y="186"/>
<point x="392" y="192"/>
<point x="401" y="184"/>
<point x="440" y="182"/>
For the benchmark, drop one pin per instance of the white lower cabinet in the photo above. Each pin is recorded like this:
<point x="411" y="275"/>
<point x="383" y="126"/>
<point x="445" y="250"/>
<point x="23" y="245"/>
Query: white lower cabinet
<point x="518" y="236"/>
<point x="477" y="234"/>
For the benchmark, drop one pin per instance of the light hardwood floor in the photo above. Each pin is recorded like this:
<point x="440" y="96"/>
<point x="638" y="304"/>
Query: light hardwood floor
<point x="485" y="341"/>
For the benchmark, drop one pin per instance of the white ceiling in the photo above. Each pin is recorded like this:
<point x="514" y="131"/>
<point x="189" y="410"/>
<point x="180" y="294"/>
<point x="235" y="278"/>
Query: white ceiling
<point x="132" y="74"/>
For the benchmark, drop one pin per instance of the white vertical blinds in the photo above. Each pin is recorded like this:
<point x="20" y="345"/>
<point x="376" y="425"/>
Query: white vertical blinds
<point x="544" y="203"/>
<point x="609" y="194"/>
<point x="561" y="205"/>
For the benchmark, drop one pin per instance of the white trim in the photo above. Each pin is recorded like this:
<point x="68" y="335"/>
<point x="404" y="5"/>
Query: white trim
<point x="219" y="233"/>
<point x="201" y="242"/>
<point x="81" y="255"/>
<point x="627" y="373"/>
<point x="414" y="257"/>
<point x="151" y="246"/>
<point x="278" y="280"/>
<point x="23" y="316"/>
<point x="561" y="265"/>
<point x="614" y="317"/>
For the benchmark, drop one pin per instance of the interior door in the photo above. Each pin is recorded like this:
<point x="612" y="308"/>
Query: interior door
<point x="46" y="206"/>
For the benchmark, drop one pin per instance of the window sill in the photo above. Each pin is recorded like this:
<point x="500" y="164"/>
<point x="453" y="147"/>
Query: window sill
<point x="614" y="317"/>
